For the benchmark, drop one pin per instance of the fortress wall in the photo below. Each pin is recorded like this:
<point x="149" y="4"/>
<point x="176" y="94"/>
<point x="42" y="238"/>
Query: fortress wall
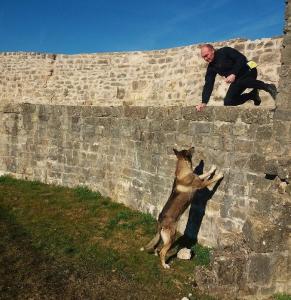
<point x="126" y="153"/>
<point x="151" y="78"/>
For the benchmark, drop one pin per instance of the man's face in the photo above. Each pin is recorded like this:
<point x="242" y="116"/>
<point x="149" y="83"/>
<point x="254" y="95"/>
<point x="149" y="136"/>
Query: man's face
<point x="207" y="54"/>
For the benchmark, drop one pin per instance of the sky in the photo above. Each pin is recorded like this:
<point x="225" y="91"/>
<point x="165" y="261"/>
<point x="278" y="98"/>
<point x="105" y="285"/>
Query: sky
<point x="90" y="26"/>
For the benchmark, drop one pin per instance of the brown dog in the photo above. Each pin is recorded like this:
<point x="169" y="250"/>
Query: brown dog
<point x="185" y="186"/>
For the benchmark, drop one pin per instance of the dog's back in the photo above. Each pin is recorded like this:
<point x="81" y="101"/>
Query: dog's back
<point x="184" y="187"/>
<point x="175" y="206"/>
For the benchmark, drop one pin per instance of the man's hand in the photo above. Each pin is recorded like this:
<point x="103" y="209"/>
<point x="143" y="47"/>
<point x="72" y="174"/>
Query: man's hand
<point x="200" y="106"/>
<point x="230" y="78"/>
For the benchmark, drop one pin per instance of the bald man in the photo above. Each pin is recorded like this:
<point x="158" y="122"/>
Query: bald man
<point x="238" y="73"/>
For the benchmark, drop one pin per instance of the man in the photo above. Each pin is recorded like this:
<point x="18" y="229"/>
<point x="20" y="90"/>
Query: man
<point x="237" y="71"/>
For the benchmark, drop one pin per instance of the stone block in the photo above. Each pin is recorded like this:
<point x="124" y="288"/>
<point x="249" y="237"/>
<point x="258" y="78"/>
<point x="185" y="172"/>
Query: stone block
<point x="262" y="236"/>
<point x="184" y="140"/>
<point x="281" y="130"/>
<point x="11" y="108"/>
<point x="183" y="126"/>
<point x="282" y="115"/>
<point x="260" y="269"/>
<point x="190" y="113"/>
<point x="174" y="112"/>
<point x="243" y="146"/>
<point x="264" y="133"/>
<point x="169" y="125"/>
<point x="98" y="111"/>
<point x="240" y="162"/>
<point x="257" y="163"/>
<point x="28" y="108"/>
<point x="226" y="114"/>
<point x="200" y="127"/>
<point x="224" y="129"/>
<point x="135" y="112"/>
<point x="242" y="129"/>
<point x="226" y="205"/>
<point x="256" y="116"/>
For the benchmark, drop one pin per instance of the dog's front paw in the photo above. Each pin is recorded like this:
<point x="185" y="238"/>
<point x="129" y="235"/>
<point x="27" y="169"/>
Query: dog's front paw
<point x="219" y="175"/>
<point x="213" y="168"/>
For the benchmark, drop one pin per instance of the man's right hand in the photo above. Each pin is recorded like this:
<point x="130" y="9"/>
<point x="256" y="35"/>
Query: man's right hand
<point x="200" y="106"/>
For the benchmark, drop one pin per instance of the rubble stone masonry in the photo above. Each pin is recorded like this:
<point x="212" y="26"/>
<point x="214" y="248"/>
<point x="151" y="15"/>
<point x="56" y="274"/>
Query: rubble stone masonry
<point x="155" y="78"/>
<point x="110" y="121"/>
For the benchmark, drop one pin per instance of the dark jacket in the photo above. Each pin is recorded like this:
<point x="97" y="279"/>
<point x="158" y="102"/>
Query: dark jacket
<point x="226" y="61"/>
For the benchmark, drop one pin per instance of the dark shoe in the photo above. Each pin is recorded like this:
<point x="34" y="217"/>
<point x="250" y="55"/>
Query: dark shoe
<point x="256" y="97"/>
<point x="272" y="90"/>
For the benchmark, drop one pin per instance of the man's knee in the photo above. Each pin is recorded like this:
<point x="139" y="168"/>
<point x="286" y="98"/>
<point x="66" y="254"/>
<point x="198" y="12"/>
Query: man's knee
<point x="228" y="101"/>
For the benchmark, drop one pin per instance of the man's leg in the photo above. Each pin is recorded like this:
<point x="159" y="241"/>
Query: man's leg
<point x="250" y="81"/>
<point x="233" y="95"/>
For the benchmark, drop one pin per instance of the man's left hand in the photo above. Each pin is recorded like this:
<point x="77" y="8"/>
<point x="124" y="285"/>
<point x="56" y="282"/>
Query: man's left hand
<point x="230" y="78"/>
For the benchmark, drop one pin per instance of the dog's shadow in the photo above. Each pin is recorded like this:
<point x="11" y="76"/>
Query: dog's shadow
<point x="196" y="214"/>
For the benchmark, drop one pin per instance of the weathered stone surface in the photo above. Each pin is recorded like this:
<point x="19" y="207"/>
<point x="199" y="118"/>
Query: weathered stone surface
<point x="283" y="115"/>
<point x="226" y="114"/>
<point x="257" y="116"/>
<point x="135" y="112"/>
<point x="193" y="115"/>
<point x="260" y="268"/>
<point x="257" y="163"/>
<point x="133" y="78"/>
<point x="262" y="236"/>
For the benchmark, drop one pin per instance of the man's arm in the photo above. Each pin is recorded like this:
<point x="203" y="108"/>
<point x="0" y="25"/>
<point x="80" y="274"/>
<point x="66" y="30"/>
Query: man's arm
<point x="208" y="88"/>
<point x="209" y="84"/>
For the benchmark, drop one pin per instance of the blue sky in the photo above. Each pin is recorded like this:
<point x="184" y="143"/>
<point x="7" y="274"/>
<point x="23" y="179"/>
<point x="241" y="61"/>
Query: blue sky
<point x="86" y="26"/>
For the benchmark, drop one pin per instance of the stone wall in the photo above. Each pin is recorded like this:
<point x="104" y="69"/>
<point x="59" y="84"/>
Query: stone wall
<point x="126" y="153"/>
<point x="155" y="78"/>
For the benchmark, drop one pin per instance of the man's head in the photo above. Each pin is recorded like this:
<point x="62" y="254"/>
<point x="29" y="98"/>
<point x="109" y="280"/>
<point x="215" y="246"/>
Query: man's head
<point x="207" y="52"/>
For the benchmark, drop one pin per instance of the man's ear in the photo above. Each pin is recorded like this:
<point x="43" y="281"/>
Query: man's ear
<point x="175" y="151"/>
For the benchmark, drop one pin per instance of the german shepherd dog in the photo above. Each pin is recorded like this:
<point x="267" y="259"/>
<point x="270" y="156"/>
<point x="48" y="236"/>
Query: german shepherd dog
<point x="185" y="185"/>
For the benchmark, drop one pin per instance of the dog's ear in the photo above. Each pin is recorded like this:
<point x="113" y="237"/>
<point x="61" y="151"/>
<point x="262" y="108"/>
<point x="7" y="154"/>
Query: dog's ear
<point x="175" y="151"/>
<point x="191" y="150"/>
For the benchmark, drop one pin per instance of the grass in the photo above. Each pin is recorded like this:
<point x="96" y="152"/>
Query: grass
<point x="282" y="297"/>
<point x="58" y="242"/>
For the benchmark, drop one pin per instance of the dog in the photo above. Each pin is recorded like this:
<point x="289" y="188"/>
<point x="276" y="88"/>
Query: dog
<point x="185" y="185"/>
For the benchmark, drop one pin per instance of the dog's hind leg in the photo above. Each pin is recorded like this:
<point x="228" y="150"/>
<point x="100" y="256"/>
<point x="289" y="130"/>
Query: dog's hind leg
<point x="167" y="237"/>
<point x="153" y="243"/>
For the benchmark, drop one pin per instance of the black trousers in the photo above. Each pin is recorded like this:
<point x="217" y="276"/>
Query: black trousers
<point x="234" y="94"/>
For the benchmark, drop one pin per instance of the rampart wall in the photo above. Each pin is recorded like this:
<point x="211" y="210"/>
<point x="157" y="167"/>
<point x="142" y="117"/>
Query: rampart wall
<point x="153" y="78"/>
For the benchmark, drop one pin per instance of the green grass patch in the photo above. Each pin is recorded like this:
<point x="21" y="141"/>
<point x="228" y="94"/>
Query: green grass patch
<point x="78" y="231"/>
<point x="202" y="255"/>
<point x="282" y="297"/>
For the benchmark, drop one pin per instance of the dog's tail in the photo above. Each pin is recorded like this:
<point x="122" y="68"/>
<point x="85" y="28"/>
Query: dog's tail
<point x="150" y="247"/>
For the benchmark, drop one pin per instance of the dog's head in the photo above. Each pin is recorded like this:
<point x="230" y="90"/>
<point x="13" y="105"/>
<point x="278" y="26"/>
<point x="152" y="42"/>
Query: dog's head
<point x="185" y="154"/>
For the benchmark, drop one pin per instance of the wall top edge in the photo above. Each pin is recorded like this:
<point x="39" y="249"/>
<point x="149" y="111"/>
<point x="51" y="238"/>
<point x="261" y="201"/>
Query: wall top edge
<point x="128" y="107"/>
<point x="219" y="43"/>
<point x="210" y="114"/>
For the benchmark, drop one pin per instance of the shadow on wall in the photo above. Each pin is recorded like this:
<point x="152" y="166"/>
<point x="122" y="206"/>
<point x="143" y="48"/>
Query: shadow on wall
<point x="197" y="212"/>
